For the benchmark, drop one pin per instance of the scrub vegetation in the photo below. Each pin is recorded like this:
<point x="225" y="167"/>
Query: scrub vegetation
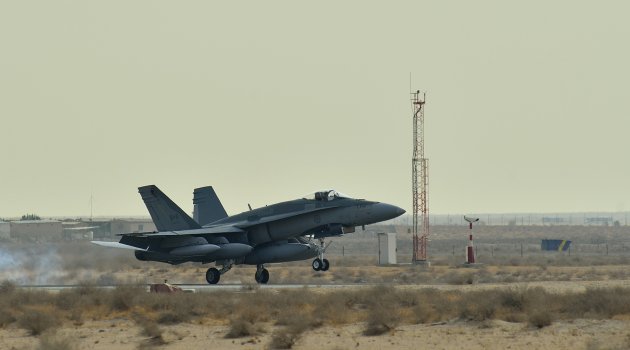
<point x="287" y="314"/>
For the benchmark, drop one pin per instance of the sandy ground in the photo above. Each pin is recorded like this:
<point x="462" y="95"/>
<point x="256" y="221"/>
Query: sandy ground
<point x="576" y="334"/>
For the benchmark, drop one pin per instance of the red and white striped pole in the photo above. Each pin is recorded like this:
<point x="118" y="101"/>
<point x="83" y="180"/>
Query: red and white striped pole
<point x="470" y="251"/>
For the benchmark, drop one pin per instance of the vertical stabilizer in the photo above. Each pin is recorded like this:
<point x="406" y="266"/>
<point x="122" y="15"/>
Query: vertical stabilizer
<point x="166" y="215"/>
<point x="207" y="206"/>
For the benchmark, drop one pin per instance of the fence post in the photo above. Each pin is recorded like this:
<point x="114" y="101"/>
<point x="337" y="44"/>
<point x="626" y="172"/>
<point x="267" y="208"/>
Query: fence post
<point x="521" y="250"/>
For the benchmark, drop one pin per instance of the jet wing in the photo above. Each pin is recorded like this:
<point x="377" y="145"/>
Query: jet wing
<point x="223" y="229"/>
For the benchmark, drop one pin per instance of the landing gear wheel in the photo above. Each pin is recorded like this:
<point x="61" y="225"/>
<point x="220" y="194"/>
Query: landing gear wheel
<point x="317" y="264"/>
<point x="262" y="277"/>
<point x="325" y="265"/>
<point x="213" y="275"/>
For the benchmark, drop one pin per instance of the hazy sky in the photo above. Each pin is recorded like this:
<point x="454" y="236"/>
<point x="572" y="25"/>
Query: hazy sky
<point x="527" y="107"/>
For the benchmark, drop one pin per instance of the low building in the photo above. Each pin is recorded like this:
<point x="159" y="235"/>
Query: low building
<point x="78" y="230"/>
<point x="36" y="230"/>
<point x="118" y="226"/>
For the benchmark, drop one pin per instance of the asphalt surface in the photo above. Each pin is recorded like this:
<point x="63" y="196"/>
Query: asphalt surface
<point x="210" y="288"/>
<point x="551" y="286"/>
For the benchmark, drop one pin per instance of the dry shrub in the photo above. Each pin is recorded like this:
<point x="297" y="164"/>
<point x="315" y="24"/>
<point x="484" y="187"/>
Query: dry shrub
<point x="381" y="319"/>
<point x="285" y="337"/>
<point x="7" y="287"/>
<point x="122" y="298"/>
<point x="149" y="329"/>
<point x="428" y="305"/>
<point x="76" y="316"/>
<point x="513" y="300"/>
<point x="242" y="328"/>
<point x="298" y="322"/>
<point x="458" y="278"/>
<point x="424" y="313"/>
<point x="444" y="303"/>
<point x="173" y="317"/>
<point x="21" y="298"/>
<point x="6" y="318"/>
<point x="295" y="325"/>
<point x="600" y="302"/>
<point x="337" y="308"/>
<point x="282" y="340"/>
<point x="173" y="308"/>
<point x="540" y="318"/>
<point x="51" y="341"/>
<point x="475" y="308"/>
<point x="491" y="304"/>
<point x="36" y="321"/>
<point x="256" y="307"/>
<point x="67" y="299"/>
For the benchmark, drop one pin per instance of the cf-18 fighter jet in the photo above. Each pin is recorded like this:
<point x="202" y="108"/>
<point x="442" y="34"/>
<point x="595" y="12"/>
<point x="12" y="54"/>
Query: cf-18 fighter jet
<point x="281" y="232"/>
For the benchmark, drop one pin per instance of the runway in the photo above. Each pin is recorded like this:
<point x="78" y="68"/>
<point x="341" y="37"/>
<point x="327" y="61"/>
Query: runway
<point x="207" y="287"/>
<point x="550" y="286"/>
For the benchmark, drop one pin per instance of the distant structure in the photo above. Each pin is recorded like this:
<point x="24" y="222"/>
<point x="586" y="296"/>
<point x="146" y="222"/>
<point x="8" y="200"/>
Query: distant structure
<point x="36" y="230"/>
<point x="470" y="250"/>
<point x="548" y="220"/>
<point x="555" y="245"/>
<point x="131" y="226"/>
<point x="599" y="220"/>
<point x="69" y="229"/>
<point x="420" y="182"/>
<point x="387" y="248"/>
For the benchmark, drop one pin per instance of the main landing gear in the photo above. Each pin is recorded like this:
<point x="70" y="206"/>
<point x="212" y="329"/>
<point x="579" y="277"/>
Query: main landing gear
<point x="262" y="275"/>
<point x="321" y="264"/>
<point x="213" y="275"/>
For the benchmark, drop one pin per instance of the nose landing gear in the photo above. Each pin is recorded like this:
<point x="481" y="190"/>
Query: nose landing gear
<point x="321" y="264"/>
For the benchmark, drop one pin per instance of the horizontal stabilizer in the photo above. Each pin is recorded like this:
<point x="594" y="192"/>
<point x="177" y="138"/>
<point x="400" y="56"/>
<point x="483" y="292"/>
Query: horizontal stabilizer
<point x="115" y="245"/>
<point x="166" y="215"/>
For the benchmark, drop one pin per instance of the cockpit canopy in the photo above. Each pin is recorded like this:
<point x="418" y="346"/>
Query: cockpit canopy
<point x="325" y="195"/>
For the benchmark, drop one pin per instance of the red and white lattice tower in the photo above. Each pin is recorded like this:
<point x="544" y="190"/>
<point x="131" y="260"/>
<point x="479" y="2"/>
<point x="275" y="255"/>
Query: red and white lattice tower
<point x="420" y="181"/>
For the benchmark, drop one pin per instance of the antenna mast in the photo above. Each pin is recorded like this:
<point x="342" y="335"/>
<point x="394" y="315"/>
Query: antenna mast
<point x="420" y="182"/>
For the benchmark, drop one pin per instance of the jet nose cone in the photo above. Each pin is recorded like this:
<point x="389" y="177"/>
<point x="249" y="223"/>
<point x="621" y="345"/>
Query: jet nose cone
<point x="387" y="211"/>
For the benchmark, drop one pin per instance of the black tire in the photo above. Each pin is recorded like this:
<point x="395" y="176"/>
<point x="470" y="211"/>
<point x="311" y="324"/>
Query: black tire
<point x="317" y="264"/>
<point x="325" y="265"/>
<point x="264" y="276"/>
<point x="257" y="277"/>
<point x="213" y="276"/>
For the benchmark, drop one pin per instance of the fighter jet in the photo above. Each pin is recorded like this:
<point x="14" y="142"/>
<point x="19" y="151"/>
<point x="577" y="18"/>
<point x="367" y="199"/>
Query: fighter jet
<point x="282" y="232"/>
